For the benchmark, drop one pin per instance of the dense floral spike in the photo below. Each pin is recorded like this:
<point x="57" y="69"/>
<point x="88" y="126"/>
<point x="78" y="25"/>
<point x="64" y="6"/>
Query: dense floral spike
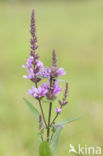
<point x="54" y="60"/>
<point x="66" y="91"/>
<point x="33" y="65"/>
<point x="33" y="31"/>
<point x="64" y="101"/>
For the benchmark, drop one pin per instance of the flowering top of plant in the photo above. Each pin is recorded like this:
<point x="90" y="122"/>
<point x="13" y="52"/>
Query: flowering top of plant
<point x="36" y="72"/>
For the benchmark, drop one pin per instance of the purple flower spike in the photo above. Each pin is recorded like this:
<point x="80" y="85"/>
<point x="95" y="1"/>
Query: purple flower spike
<point x="64" y="100"/>
<point x="58" y="110"/>
<point x="32" y="31"/>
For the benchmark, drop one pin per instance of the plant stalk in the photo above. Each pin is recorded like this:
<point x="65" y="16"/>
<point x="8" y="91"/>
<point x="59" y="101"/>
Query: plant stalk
<point x="48" y="130"/>
<point x="42" y="113"/>
<point x="49" y="115"/>
<point x="41" y="109"/>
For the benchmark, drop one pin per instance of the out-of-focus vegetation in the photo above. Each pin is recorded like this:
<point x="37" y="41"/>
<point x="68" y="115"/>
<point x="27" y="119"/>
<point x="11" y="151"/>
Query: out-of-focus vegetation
<point x="75" y="30"/>
<point x="29" y="1"/>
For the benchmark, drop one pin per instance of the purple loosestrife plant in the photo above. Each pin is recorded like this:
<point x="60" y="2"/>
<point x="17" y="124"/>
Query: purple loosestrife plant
<point x="37" y="72"/>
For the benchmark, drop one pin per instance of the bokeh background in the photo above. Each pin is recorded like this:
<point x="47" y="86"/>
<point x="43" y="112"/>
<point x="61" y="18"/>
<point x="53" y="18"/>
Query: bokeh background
<point x="75" y="30"/>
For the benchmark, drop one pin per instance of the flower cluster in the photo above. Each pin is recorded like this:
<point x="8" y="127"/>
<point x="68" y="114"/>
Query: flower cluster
<point x="33" y="65"/>
<point x="64" y="100"/>
<point x="37" y="71"/>
<point x="47" y="72"/>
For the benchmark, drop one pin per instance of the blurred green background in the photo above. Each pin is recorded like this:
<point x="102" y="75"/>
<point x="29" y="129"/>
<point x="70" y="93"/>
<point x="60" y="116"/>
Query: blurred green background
<point x="75" y="30"/>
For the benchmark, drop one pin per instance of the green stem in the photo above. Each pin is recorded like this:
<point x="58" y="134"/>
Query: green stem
<point x="42" y="113"/>
<point x="48" y="130"/>
<point x="55" y="118"/>
<point x="49" y="115"/>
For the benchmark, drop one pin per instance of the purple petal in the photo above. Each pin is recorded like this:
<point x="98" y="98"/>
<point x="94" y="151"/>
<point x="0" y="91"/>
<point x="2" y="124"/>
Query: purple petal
<point x="30" y="92"/>
<point x="39" y="64"/>
<point x="23" y="66"/>
<point x="59" y="125"/>
<point x="60" y="72"/>
<point x="58" y="110"/>
<point x="45" y="85"/>
<point x="56" y="88"/>
<point x="44" y="72"/>
<point x="25" y="76"/>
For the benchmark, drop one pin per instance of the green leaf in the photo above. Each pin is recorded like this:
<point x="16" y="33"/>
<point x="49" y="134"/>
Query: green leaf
<point x="44" y="149"/>
<point x="33" y="109"/>
<point x="55" y="139"/>
<point x="67" y="121"/>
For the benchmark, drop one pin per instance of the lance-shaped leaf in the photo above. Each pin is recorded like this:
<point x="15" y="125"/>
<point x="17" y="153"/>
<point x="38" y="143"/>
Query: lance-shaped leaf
<point x="55" y="139"/>
<point x="66" y="121"/>
<point x="44" y="149"/>
<point x="33" y="109"/>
